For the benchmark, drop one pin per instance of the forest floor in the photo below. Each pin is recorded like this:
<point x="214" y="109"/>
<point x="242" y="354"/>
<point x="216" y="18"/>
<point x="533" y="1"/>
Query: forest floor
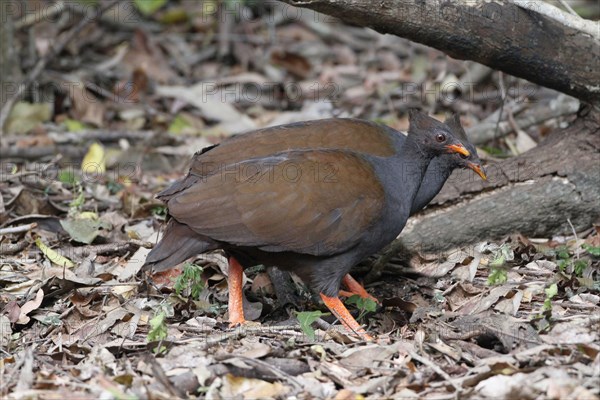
<point x="115" y="117"/>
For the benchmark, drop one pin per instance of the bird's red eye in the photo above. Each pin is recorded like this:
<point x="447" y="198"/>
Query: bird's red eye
<point x="440" y="137"/>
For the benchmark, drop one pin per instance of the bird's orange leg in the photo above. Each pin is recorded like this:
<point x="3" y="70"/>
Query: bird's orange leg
<point x="341" y="312"/>
<point x="235" y="280"/>
<point x="355" y="288"/>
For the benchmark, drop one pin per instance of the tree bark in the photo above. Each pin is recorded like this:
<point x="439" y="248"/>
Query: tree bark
<point x="532" y="40"/>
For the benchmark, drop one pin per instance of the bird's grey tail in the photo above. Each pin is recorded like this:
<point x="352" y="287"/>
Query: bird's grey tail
<point x="178" y="244"/>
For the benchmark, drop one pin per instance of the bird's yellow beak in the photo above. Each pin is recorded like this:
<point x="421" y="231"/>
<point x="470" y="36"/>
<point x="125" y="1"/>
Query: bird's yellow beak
<point x="478" y="170"/>
<point x="458" y="148"/>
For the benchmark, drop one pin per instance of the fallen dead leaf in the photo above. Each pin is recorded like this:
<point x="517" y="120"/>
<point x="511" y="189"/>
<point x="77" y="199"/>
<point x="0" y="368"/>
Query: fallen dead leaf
<point x="145" y="55"/>
<point x="26" y="116"/>
<point x="86" y="107"/>
<point x="251" y="388"/>
<point x="346" y="394"/>
<point x="53" y="255"/>
<point x="29" y="307"/>
<point x="254" y="349"/>
<point x="481" y="303"/>
<point x="94" y="161"/>
<point x="293" y="63"/>
<point x="262" y="284"/>
<point x="12" y="310"/>
<point x="209" y="99"/>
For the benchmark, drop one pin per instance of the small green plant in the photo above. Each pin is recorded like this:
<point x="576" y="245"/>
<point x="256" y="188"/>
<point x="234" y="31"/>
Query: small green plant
<point x="579" y="266"/>
<point x="550" y="291"/>
<point x="78" y="201"/>
<point x="562" y="252"/>
<point x="179" y="125"/>
<point x="364" y="305"/>
<point x="593" y="250"/>
<point x="149" y="7"/>
<point x="74" y="125"/>
<point x="158" y="329"/>
<point x="68" y="177"/>
<point x="544" y="316"/>
<point x="501" y="255"/>
<point x="159" y="212"/>
<point x="494" y="151"/>
<point x="497" y="276"/>
<point x="566" y="263"/>
<point x="306" y="319"/>
<point x="190" y="281"/>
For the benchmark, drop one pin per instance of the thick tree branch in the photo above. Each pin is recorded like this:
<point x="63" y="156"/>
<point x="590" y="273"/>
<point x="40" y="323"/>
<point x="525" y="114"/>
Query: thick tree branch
<point x="535" y="41"/>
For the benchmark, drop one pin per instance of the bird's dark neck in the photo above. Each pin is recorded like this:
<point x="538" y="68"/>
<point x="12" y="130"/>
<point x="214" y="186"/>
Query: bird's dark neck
<point x="410" y="166"/>
<point x="438" y="172"/>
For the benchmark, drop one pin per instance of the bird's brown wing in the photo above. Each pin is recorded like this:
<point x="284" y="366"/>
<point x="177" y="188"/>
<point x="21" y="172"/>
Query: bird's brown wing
<point x="352" y="134"/>
<point x="312" y="202"/>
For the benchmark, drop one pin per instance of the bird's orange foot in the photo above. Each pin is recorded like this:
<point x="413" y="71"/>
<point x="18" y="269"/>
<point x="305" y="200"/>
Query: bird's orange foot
<point x="236" y="320"/>
<point x="355" y="288"/>
<point x="341" y="312"/>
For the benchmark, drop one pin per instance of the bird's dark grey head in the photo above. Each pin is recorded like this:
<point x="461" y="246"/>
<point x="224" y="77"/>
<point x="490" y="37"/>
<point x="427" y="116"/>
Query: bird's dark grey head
<point x="460" y="160"/>
<point x="432" y="136"/>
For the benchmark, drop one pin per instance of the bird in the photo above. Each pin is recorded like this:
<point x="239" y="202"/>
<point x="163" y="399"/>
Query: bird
<point x="337" y="133"/>
<point x="289" y="200"/>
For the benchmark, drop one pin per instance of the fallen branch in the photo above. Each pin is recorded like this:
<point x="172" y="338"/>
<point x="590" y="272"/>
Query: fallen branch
<point x="17" y="229"/>
<point x="109" y="248"/>
<point x="498" y="34"/>
<point x="12" y="248"/>
<point x="101" y="135"/>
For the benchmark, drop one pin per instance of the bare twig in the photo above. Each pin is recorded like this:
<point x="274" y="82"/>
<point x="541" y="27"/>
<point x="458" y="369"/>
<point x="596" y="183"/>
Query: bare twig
<point x="261" y="329"/>
<point x="512" y="122"/>
<point x="503" y="93"/>
<point x="37" y="152"/>
<point x="84" y="251"/>
<point x="215" y="339"/>
<point x="12" y="248"/>
<point x="276" y="371"/>
<point x="511" y="145"/>
<point x="102" y="135"/>
<point x="567" y="7"/>
<point x="553" y="13"/>
<point x="426" y="361"/>
<point x="17" y="229"/>
<point x="43" y="61"/>
<point x="576" y="238"/>
<point x="107" y="94"/>
<point x="161" y="376"/>
<point x="484" y="131"/>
